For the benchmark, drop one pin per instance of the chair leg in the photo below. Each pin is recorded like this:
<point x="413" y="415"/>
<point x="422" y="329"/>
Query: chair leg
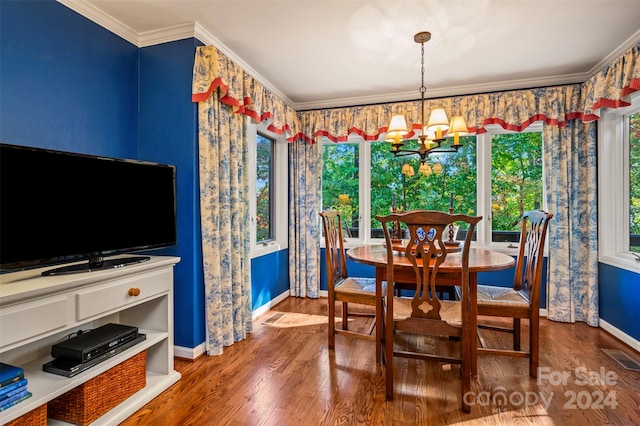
<point x="516" y="334"/>
<point x="379" y="328"/>
<point x="345" y="316"/>
<point x="465" y="371"/>
<point x="534" y="346"/>
<point x="388" y="356"/>
<point x="332" y="323"/>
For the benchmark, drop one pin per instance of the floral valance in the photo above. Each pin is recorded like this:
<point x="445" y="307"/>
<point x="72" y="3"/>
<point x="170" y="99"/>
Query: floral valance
<point x="513" y="110"/>
<point x="212" y="70"/>
<point x="611" y="87"/>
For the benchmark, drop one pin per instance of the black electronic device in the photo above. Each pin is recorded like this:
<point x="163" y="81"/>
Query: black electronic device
<point x="64" y="367"/>
<point x="93" y="343"/>
<point x="61" y="207"/>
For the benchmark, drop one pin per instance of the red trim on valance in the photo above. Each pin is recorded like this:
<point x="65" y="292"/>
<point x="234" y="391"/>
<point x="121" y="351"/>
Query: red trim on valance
<point x="244" y="108"/>
<point x="634" y="86"/>
<point x="301" y="136"/>
<point x="610" y="103"/>
<point x="217" y="82"/>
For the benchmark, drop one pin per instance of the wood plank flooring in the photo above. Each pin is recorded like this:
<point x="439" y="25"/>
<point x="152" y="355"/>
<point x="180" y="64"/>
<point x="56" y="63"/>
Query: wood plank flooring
<point x="287" y="376"/>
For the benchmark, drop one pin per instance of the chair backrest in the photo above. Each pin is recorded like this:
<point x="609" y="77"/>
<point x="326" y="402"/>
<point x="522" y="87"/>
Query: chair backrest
<point x="528" y="272"/>
<point x="428" y="231"/>
<point x="334" y="247"/>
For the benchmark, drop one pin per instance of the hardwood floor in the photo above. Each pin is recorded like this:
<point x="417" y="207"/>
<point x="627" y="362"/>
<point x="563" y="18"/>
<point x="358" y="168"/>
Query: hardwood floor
<point x="287" y="376"/>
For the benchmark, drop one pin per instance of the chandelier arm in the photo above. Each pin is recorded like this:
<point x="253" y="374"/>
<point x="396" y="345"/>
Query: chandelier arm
<point x="442" y="150"/>
<point x="405" y="152"/>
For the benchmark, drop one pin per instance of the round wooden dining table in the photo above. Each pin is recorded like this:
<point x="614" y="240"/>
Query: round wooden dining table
<point x="480" y="260"/>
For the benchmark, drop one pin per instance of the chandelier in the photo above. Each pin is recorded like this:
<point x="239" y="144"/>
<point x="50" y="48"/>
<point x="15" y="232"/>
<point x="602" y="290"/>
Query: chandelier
<point x="432" y="135"/>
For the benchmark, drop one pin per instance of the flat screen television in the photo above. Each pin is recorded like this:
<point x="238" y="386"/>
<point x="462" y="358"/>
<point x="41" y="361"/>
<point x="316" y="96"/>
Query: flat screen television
<point x="61" y="207"/>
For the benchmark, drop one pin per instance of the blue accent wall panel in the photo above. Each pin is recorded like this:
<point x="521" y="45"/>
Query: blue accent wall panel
<point x="169" y="134"/>
<point x="65" y="82"/>
<point x="619" y="299"/>
<point x="269" y="277"/>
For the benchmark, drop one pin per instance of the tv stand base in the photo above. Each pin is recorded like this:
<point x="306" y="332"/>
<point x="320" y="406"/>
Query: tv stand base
<point x="97" y="266"/>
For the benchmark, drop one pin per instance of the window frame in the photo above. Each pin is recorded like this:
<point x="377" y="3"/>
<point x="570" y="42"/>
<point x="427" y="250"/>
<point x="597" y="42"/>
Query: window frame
<point x="484" y="186"/>
<point x="279" y="190"/>
<point x="483" y="190"/>
<point x="613" y="187"/>
<point x="271" y="189"/>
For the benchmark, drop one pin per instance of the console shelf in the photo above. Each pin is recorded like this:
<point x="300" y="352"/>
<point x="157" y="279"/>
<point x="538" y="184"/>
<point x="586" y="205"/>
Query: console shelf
<point x="37" y="311"/>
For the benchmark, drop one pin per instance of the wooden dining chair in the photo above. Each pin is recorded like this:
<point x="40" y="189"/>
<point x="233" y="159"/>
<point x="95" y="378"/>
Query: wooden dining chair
<point x="522" y="301"/>
<point x="426" y="313"/>
<point x="344" y="288"/>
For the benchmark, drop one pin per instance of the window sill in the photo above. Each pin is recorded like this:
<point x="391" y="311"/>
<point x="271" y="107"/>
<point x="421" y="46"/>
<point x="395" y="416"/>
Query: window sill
<point x="266" y="248"/>
<point x="622" y="261"/>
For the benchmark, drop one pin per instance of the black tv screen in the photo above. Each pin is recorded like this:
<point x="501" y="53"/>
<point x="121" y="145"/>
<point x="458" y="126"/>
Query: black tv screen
<point x="59" y="207"/>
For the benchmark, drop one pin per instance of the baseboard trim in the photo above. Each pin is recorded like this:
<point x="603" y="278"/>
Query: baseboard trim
<point x="617" y="333"/>
<point x="193" y="353"/>
<point x="267" y="306"/>
<point x="189" y="353"/>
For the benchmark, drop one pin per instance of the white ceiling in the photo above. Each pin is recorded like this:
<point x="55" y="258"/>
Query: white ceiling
<point x="347" y="52"/>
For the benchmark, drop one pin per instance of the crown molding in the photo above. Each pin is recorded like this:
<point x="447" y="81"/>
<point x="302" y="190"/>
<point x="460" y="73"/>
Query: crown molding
<point x="631" y="41"/>
<point x="166" y="35"/>
<point x="195" y="30"/>
<point x="96" y="15"/>
<point x="445" y="92"/>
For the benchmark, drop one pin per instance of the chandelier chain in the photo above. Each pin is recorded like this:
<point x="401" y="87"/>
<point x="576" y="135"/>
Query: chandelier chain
<point x="423" y="89"/>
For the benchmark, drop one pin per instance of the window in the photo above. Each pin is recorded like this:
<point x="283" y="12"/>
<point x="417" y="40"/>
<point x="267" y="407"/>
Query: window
<point x="268" y="190"/>
<point x="429" y="189"/>
<point x="516" y="181"/>
<point x="264" y="205"/>
<point x="633" y="131"/>
<point x="340" y="183"/>
<point x="497" y="175"/>
<point x="619" y="186"/>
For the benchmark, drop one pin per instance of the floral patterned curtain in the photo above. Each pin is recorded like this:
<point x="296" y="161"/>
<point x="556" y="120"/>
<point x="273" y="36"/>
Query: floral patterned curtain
<point x="224" y="212"/>
<point x="305" y="167"/>
<point x="225" y="218"/>
<point x="563" y="110"/>
<point x="570" y="179"/>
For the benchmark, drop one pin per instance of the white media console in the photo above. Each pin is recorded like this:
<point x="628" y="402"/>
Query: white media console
<point x="37" y="311"/>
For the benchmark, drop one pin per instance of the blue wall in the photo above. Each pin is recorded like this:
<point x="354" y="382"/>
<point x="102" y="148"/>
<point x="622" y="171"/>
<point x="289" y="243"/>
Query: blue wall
<point x="620" y="299"/>
<point x="66" y="83"/>
<point x="269" y="277"/>
<point x="168" y="133"/>
<point x="69" y="84"/>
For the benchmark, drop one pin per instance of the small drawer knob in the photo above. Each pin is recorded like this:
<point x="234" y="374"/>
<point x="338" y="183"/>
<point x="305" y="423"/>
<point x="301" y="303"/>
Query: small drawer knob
<point x="134" y="291"/>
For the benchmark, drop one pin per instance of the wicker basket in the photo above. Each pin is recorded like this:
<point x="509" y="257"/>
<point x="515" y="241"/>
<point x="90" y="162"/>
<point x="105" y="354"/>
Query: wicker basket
<point x="90" y="400"/>
<point x="35" y="417"/>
